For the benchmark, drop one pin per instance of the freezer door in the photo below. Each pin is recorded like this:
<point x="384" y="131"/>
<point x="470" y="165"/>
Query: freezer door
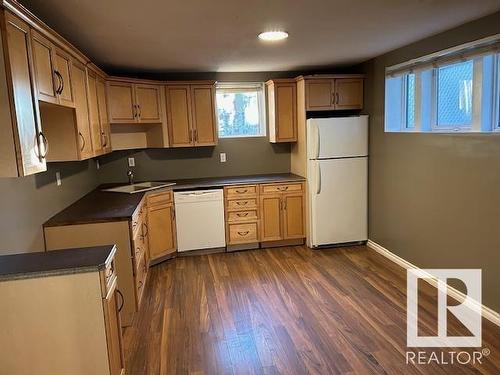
<point x="337" y="137"/>
<point x="338" y="196"/>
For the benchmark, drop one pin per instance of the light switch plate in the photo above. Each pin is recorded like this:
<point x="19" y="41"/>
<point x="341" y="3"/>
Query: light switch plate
<point x="223" y="157"/>
<point x="58" y="179"/>
<point x="131" y="162"/>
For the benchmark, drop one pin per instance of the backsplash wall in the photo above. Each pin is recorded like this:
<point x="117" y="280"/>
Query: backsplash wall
<point x="245" y="156"/>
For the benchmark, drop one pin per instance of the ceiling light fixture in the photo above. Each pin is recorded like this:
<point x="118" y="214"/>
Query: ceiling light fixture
<point x="273" y="36"/>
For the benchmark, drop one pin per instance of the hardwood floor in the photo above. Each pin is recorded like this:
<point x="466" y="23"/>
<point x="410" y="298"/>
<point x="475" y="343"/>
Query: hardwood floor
<point x="284" y="311"/>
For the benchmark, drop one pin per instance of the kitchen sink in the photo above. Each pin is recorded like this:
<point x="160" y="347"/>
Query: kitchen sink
<point x="139" y="187"/>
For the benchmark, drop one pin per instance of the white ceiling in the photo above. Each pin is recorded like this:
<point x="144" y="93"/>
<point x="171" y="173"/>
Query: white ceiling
<point x="221" y="35"/>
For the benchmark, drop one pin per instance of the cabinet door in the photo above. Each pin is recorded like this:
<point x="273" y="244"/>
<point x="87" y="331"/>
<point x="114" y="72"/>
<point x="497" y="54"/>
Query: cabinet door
<point x="319" y="95"/>
<point x="102" y="106"/>
<point x="179" y="115"/>
<point x="122" y="108"/>
<point x="161" y="231"/>
<point x="113" y="331"/>
<point x="270" y="211"/>
<point x="63" y="72"/>
<point x="43" y="61"/>
<point x="95" y="127"/>
<point x="286" y="112"/>
<point x="28" y="133"/>
<point x="293" y="216"/>
<point x="82" y="110"/>
<point x="148" y="103"/>
<point x="349" y="93"/>
<point x="203" y="115"/>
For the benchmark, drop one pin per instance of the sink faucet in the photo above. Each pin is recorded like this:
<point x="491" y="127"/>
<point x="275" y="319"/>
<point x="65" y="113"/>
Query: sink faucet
<point x="130" y="176"/>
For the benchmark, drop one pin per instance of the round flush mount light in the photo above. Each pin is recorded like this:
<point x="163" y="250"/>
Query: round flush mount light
<point x="273" y="36"/>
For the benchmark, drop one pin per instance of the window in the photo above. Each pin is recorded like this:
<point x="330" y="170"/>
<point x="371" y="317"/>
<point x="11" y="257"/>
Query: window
<point x="241" y="110"/>
<point x="449" y="91"/>
<point x="454" y="95"/>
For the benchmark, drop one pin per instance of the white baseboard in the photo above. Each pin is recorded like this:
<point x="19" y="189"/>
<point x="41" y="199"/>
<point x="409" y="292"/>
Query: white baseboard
<point x="487" y="313"/>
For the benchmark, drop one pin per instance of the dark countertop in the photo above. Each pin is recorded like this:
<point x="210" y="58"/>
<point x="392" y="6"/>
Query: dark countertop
<point x="58" y="262"/>
<point x="102" y="206"/>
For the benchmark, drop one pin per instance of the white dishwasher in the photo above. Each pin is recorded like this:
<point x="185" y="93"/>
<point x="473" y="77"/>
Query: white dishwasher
<point x="200" y="219"/>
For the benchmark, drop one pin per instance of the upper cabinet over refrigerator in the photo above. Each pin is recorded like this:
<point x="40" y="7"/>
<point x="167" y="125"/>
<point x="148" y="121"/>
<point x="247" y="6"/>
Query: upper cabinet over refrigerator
<point x="341" y="137"/>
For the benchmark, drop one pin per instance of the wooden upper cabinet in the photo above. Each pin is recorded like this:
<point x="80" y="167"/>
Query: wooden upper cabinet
<point x="52" y="71"/>
<point x="134" y="103"/>
<point x="349" y="93"/>
<point x="121" y="102"/>
<point x="147" y="99"/>
<point x="43" y="58"/>
<point x="102" y="106"/>
<point x="319" y="95"/>
<point x="191" y="114"/>
<point x="82" y="115"/>
<point x="282" y="105"/>
<point x="342" y="93"/>
<point x="179" y="115"/>
<point x="203" y="115"/>
<point x="95" y="126"/>
<point x="23" y="145"/>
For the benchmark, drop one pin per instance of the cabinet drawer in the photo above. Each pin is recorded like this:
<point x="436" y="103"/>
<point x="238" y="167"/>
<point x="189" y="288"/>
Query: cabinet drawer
<point x="248" y="215"/>
<point x="140" y="279"/>
<point x="139" y="249"/>
<point x="159" y="198"/>
<point x="243" y="233"/>
<point x="242" y="204"/>
<point x="108" y="275"/>
<point x="138" y="218"/>
<point x="281" y="188"/>
<point x="243" y="191"/>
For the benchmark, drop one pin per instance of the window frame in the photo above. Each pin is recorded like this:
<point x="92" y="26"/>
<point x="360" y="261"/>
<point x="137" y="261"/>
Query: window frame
<point x="496" y="93"/>
<point x="435" y="127"/>
<point x="404" y="102"/>
<point x="234" y="87"/>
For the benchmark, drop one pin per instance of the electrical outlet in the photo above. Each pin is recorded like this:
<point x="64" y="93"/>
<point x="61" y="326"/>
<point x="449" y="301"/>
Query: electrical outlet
<point x="131" y="162"/>
<point x="58" y="179"/>
<point x="223" y="157"/>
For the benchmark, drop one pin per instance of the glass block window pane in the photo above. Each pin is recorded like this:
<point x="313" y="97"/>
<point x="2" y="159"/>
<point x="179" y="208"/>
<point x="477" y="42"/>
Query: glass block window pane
<point x="454" y="94"/>
<point x="239" y="112"/>
<point x="410" y="101"/>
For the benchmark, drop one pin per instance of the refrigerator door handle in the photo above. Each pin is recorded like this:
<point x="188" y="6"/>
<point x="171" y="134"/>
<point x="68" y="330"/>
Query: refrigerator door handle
<point x="318" y="180"/>
<point x="317" y="141"/>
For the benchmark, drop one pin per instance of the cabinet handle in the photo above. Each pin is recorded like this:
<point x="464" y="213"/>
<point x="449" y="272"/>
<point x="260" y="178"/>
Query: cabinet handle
<point x="190" y="135"/>
<point x="242" y="214"/>
<point x="242" y="191"/>
<point x="122" y="300"/>
<point x="60" y="86"/>
<point x="284" y="204"/>
<point x="337" y="96"/>
<point x="134" y="110"/>
<point x="104" y="137"/>
<point x="139" y="111"/>
<point x="195" y="135"/>
<point x="83" y="141"/>
<point x="333" y="98"/>
<point x="282" y="188"/>
<point x="147" y="230"/>
<point x="244" y="233"/>
<point x="241" y="203"/>
<point x="45" y="146"/>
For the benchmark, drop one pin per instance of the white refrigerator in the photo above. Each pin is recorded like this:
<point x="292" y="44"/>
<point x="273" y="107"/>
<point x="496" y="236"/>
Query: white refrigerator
<point x="337" y="174"/>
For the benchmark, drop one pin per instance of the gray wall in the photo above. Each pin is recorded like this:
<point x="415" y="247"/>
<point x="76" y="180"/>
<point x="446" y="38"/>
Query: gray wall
<point x="29" y="201"/>
<point x="244" y="156"/>
<point x="435" y="198"/>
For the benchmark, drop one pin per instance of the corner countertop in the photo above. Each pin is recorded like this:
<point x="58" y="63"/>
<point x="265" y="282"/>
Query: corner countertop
<point x="101" y="206"/>
<point x="52" y="263"/>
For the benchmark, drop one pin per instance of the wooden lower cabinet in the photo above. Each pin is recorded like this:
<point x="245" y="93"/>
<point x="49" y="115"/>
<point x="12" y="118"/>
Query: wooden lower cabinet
<point x="62" y="322"/>
<point x="161" y="226"/>
<point x="282" y="211"/>
<point x="264" y="213"/>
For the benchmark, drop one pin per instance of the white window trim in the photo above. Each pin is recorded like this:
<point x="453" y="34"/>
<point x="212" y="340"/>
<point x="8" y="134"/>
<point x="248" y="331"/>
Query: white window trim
<point x="496" y="93"/>
<point x="261" y="103"/>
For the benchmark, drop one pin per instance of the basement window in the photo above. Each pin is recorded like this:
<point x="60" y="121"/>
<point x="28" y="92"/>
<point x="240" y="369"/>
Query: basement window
<point x="457" y="90"/>
<point x="241" y="110"/>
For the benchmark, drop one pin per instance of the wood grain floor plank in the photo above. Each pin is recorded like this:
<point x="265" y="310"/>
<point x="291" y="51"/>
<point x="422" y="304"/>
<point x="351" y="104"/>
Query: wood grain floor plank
<point x="289" y="311"/>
